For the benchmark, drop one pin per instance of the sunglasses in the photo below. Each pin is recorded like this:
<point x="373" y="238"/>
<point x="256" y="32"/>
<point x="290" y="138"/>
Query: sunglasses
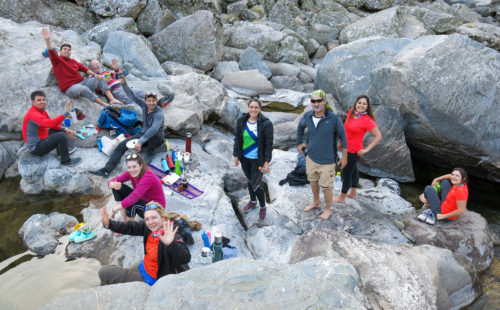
<point x="151" y="207"/>
<point x="316" y="100"/>
<point x="132" y="156"/>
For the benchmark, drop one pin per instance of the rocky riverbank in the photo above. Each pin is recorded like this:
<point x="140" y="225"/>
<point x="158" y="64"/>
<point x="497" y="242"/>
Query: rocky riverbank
<point x="430" y="68"/>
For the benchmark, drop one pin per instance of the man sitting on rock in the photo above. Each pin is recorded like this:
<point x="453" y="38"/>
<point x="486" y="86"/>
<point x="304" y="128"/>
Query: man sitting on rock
<point x="114" y="84"/>
<point x="43" y="134"/>
<point x="70" y="81"/>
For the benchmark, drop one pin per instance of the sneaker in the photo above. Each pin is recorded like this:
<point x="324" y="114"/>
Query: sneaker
<point x="101" y="172"/>
<point x="431" y="219"/>
<point x="72" y="162"/>
<point x="73" y="235"/>
<point x="249" y="206"/>
<point x="70" y="151"/>
<point x="424" y="215"/>
<point x="84" y="236"/>
<point x="262" y="214"/>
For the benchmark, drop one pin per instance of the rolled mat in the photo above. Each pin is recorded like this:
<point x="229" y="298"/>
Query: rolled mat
<point x="190" y="192"/>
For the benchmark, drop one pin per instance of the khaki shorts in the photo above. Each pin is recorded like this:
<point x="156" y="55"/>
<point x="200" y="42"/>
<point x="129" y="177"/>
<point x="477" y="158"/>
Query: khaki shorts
<point x="324" y="175"/>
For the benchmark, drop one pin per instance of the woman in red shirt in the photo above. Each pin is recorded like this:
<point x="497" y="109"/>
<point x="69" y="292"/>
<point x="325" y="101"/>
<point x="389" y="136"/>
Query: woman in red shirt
<point x="360" y="119"/>
<point x="454" y="195"/>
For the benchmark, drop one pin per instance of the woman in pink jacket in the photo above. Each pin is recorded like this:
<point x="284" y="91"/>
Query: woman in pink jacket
<point x="146" y="187"/>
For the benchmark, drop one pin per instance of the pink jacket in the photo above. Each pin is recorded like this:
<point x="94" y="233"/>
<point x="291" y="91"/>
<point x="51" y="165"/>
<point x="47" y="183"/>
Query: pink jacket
<point x="147" y="188"/>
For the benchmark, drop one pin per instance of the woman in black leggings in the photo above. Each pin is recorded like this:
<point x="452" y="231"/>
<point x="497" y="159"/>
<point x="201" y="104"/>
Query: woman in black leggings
<point x="253" y="147"/>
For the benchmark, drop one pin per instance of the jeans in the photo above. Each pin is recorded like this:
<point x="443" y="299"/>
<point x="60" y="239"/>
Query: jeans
<point x="110" y="274"/>
<point x="87" y="88"/>
<point x="56" y="139"/>
<point x="137" y="208"/>
<point x="433" y="198"/>
<point x="251" y="170"/>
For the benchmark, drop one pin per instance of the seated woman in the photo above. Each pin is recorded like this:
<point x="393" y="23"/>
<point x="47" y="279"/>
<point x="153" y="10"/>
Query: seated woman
<point x="164" y="248"/>
<point x="145" y="187"/>
<point x="453" y="202"/>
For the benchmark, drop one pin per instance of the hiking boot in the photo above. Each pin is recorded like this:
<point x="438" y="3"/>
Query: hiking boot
<point x="431" y="220"/>
<point x="249" y="206"/>
<point x="424" y="215"/>
<point x="70" y="151"/>
<point x="262" y="214"/>
<point x="72" y="162"/>
<point x="101" y="172"/>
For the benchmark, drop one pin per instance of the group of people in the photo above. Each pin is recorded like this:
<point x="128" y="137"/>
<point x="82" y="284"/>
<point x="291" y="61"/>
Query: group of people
<point x="164" y="248"/>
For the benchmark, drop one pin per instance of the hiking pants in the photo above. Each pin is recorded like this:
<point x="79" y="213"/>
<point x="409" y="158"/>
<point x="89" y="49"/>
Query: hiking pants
<point x="56" y="139"/>
<point x="120" y="95"/>
<point x="111" y="274"/>
<point x="433" y="198"/>
<point x="350" y="174"/>
<point x="251" y="170"/>
<point x="148" y="147"/>
<point x="87" y="88"/>
<point x="137" y="208"/>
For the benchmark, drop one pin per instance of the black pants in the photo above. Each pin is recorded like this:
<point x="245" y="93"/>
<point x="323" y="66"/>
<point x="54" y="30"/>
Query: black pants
<point x="56" y="139"/>
<point x="148" y="147"/>
<point x="433" y="198"/>
<point x="251" y="169"/>
<point x="350" y="174"/>
<point x="123" y="193"/>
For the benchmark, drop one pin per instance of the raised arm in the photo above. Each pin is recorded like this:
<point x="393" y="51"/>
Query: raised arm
<point x="46" y="35"/>
<point x="441" y="178"/>
<point x="140" y="102"/>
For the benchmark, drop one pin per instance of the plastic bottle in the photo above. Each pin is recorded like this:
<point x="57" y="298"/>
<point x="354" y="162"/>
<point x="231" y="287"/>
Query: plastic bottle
<point x="217" y="248"/>
<point x="178" y="167"/>
<point x="171" y="165"/>
<point x="206" y="241"/>
<point x="164" y="164"/>
<point x="437" y="187"/>
<point x="337" y="185"/>
<point x="188" y="142"/>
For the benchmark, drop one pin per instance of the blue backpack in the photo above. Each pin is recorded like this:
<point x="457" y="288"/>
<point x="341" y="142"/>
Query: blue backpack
<point x="123" y="121"/>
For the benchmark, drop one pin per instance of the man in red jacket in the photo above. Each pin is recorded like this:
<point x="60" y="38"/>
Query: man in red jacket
<point x="43" y="134"/>
<point x="68" y="77"/>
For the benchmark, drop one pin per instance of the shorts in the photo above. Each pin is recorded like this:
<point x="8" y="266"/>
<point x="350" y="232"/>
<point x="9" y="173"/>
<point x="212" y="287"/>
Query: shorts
<point x="324" y="175"/>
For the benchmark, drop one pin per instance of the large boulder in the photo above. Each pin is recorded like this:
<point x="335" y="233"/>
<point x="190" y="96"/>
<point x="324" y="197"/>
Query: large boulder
<point x="101" y="32"/>
<point x="444" y="119"/>
<point x="250" y="59"/>
<point x="247" y="82"/>
<point x="397" y="276"/>
<point x="195" y="40"/>
<point x="7" y="155"/>
<point x="486" y="34"/>
<point x="468" y="236"/>
<point x="107" y="8"/>
<point x="134" y="50"/>
<point x="58" y="13"/>
<point x="224" y="67"/>
<point x="154" y="17"/>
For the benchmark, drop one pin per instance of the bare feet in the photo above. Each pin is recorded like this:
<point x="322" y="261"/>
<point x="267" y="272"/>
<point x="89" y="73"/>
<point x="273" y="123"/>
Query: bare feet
<point x="339" y="199"/>
<point x="117" y="234"/>
<point x="423" y="199"/>
<point x="326" y="214"/>
<point x="314" y="205"/>
<point x="352" y="196"/>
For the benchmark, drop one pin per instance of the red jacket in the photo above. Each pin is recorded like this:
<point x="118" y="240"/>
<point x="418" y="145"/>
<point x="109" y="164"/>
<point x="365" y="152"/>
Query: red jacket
<point x="66" y="70"/>
<point x="36" y="124"/>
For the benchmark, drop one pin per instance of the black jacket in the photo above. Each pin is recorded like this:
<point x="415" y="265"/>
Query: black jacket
<point x="171" y="259"/>
<point x="264" y="138"/>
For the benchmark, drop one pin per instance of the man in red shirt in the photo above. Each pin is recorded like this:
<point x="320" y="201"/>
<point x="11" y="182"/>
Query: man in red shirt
<point x="43" y="134"/>
<point x="68" y="77"/>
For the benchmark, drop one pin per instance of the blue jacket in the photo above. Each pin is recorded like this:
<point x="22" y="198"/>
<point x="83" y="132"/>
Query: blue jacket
<point x="322" y="141"/>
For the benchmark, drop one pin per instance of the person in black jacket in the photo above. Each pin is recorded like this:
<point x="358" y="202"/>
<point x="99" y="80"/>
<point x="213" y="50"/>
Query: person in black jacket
<point x="164" y="249"/>
<point x="253" y="147"/>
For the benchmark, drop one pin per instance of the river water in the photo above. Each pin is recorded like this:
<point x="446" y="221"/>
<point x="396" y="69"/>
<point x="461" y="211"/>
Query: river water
<point x="46" y="278"/>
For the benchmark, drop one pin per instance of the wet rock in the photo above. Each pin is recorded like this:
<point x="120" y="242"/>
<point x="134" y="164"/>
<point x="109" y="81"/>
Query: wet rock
<point x="101" y="32"/>
<point x="198" y="43"/>
<point x="247" y="82"/>
<point x="250" y="59"/>
<point x="468" y="236"/>
<point x="224" y="67"/>
<point x="108" y="8"/>
<point x="134" y="50"/>
<point x="154" y="18"/>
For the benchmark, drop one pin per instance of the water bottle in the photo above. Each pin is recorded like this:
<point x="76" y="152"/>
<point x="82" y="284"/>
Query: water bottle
<point x="165" y="166"/>
<point x="178" y="167"/>
<point x="206" y="240"/>
<point x="437" y="187"/>
<point x="217" y="248"/>
<point x="337" y="185"/>
<point x="188" y="142"/>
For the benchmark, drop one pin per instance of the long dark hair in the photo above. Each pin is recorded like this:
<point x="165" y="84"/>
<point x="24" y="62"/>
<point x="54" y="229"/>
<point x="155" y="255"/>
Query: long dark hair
<point x="140" y="161"/>
<point x="350" y="114"/>
<point x="463" y="173"/>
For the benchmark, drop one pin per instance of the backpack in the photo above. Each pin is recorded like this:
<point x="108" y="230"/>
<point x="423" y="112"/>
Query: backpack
<point x="123" y="121"/>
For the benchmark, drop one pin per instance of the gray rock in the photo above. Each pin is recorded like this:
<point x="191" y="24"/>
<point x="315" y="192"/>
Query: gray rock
<point x="247" y="82"/>
<point x="234" y="108"/>
<point x="224" y="67"/>
<point x="323" y="34"/>
<point x="486" y="34"/>
<point x="338" y="18"/>
<point x="435" y="112"/>
<point x="198" y="41"/>
<point x="283" y="69"/>
<point x="434" y="278"/>
<point x="320" y="52"/>
<point x="101" y="32"/>
<point x="175" y="68"/>
<point x="260" y="36"/>
<point x="287" y="82"/>
<point x="231" y="54"/>
<point x="58" y="13"/>
<point x="7" y="157"/>
<point x="104" y="296"/>
<point x="386" y="199"/>
<point x="311" y="46"/>
<point x="154" y="18"/>
<point x="236" y="7"/>
<point x="134" y="50"/>
<point x="286" y="13"/>
<point x="376" y="5"/>
<point x="62" y="222"/>
<point x="250" y="59"/>
<point x="249" y="14"/>
<point x="468" y="236"/>
<point x="290" y="50"/>
<point x="306" y="79"/>
<point x="108" y="8"/>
